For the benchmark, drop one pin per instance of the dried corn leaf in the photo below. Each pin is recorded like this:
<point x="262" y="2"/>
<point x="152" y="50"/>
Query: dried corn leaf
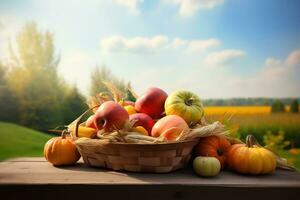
<point x="214" y="129"/>
<point x="117" y="94"/>
<point x="93" y="103"/>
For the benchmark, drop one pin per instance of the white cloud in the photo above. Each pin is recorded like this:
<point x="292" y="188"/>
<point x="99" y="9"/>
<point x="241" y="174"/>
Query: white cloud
<point x="276" y="69"/>
<point x="293" y="58"/>
<point x="131" y="5"/>
<point x="223" y="57"/>
<point x="277" y="78"/>
<point x="136" y="44"/>
<point x="178" y="42"/>
<point x="271" y="62"/>
<point x="188" y="8"/>
<point x="154" y="44"/>
<point x="201" y="45"/>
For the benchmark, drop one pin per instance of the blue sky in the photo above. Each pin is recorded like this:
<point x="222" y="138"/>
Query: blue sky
<point x="217" y="48"/>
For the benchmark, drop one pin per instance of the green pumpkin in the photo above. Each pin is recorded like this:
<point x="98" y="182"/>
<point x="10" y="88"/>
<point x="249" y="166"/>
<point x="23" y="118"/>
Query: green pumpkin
<point x="206" y="166"/>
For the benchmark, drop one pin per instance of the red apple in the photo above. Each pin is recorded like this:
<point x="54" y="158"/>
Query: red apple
<point x="90" y="122"/>
<point x="110" y="116"/>
<point x="142" y="120"/>
<point x="152" y="102"/>
<point x="170" y="126"/>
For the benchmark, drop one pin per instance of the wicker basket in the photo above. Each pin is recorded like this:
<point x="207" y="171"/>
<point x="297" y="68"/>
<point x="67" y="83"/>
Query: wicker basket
<point x="157" y="158"/>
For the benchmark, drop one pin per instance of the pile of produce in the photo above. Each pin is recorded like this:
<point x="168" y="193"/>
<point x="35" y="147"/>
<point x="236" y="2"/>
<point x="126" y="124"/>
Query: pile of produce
<point x="156" y="117"/>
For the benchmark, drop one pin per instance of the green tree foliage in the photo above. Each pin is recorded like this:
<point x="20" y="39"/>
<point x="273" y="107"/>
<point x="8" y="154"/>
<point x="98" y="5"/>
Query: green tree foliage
<point x="73" y="105"/>
<point x="34" y="80"/>
<point x="294" y="108"/>
<point x="101" y="74"/>
<point x="8" y="104"/>
<point x="277" y="106"/>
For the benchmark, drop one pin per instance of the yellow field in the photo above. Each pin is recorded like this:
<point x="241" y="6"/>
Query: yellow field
<point x="237" y="110"/>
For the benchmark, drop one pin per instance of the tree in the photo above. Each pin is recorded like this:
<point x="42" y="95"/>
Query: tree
<point x="8" y="105"/>
<point x="73" y="105"/>
<point x="294" y="108"/>
<point x="34" y="79"/>
<point x="277" y="106"/>
<point x="101" y="74"/>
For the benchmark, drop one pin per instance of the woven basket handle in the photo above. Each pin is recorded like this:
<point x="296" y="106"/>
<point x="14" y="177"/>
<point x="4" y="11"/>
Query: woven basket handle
<point x="77" y="121"/>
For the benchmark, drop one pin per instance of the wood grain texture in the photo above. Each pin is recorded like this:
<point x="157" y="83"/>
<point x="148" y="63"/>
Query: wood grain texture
<point x="34" y="178"/>
<point x="28" y="171"/>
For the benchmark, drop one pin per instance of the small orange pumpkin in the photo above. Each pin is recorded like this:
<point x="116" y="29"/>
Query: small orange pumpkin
<point x="214" y="146"/>
<point x="251" y="158"/>
<point x="61" y="150"/>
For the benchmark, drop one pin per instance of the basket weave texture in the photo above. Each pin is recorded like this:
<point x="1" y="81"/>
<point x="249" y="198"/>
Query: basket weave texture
<point x="157" y="158"/>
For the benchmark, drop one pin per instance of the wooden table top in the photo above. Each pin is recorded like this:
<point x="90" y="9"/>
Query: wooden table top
<point x="38" y="171"/>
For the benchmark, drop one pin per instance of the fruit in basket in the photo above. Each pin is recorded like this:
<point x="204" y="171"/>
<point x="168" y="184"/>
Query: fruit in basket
<point x="215" y="146"/>
<point x="110" y="116"/>
<point x="250" y="158"/>
<point x="83" y="131"/>
<point x="61" y="151"/>
<point x="206" y="166"/>
<point x="170" y="127"/>
<point x="90" y="122"/>
<point x="143" y="120"/>
<point x="186" y="105"/>
<point x="141" y="130"/>
<point x="152" y="102"/>
<point x="130" y="109"/>
<point x="126" y="103"/>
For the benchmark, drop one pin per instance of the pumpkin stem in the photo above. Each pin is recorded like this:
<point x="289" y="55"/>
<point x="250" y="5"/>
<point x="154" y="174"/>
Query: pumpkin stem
<point x="250" y="141"/>
<point x="64" y="134"/>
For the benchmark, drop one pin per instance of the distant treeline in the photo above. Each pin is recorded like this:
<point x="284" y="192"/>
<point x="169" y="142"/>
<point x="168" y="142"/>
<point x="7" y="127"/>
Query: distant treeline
<point x="247" y="101"/>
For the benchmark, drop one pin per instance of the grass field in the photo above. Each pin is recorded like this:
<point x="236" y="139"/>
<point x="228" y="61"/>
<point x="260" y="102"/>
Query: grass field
<point x="18" y="141"/>
<point x="292" y="159"/>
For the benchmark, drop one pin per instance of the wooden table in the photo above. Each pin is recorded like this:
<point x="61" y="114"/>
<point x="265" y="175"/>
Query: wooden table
<point x="35" y="178"/>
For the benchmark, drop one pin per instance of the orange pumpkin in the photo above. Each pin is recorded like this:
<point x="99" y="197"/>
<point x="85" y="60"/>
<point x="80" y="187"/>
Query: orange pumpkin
<point x="61" y="150"/>
<point x="251" y="158"/>
<point x="213" y="146"/>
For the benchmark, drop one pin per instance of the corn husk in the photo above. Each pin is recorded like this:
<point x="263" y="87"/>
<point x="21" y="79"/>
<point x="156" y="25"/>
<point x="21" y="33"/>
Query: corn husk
<point x="117" y="94"/>
<point x="214" y="129"/>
